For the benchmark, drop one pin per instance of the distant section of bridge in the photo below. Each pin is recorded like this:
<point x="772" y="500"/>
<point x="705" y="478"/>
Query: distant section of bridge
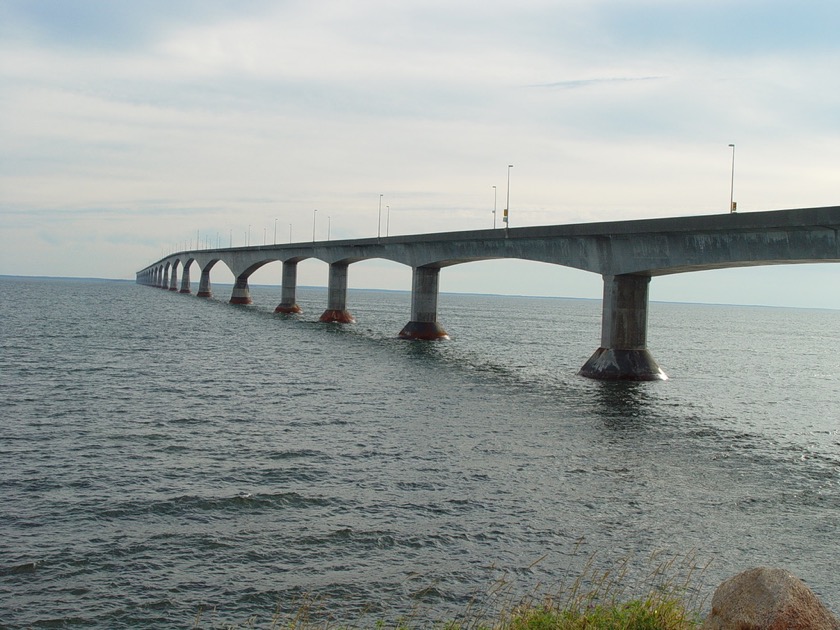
<point x="627" y="254"/>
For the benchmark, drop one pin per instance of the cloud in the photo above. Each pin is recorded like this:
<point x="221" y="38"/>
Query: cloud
<point x="583" y="83"/>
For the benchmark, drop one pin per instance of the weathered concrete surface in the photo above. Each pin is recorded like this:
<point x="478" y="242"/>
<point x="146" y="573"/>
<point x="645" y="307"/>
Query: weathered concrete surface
<point x="767" y="599"/>
<point x="424" y="299"/>
<point x="288" y="298"/>
<point x="185" y="280"/>
<point x="337" y="296"/>
<point x="204" y="288"/>
<point x="649" y="247"/>
<point x="623" y="354"/>
<point x="241" y="293"/>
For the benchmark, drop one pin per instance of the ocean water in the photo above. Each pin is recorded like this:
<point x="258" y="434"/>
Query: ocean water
<point x="166" y="459"/>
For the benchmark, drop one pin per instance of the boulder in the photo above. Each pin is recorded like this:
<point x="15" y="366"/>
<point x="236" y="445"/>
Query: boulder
<point x="767" y="599"/>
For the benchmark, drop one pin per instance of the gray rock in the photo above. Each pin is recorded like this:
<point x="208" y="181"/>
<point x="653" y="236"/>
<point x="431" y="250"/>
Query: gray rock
<point x="767" y="599"/>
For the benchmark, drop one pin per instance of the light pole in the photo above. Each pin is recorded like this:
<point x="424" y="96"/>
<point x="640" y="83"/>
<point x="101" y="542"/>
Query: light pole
<point x="379" y="222"/>
<point x="329" y="226"/>
<point x="314" y="214"/>
<point x="494" y="207"/>
<point x="275" y="231"/>
<point x="387" y="220"/>
<point x="264" y="237"/>
<point x="290" y="232"/>
<point x="506" y="218"/>
<point x="732" y="205"/>
<point x="248" y="240"/>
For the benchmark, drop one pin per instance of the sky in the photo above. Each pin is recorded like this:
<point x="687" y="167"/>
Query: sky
<point x="129" y="130"/>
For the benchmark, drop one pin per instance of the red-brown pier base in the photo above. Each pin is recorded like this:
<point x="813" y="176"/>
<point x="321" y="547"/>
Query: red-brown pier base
<point x="337" y="316"/>
<point x="423" y="331"/>
<point x="288" y="310"/>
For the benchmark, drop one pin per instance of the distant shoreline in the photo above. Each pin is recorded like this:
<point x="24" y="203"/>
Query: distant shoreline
<point x="406" y="291"/>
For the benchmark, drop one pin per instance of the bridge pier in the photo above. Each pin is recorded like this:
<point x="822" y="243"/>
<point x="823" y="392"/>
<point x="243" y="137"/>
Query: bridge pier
<point x="424" y="298"/>
<point x="289" y="290"/>
<point x="204" y="289"/>
<point x="164" y="278"/>
<point x="185" y="280"/>
<point x="337" y="296"/>
<point x="241" y="294"/>
<point x="173" y="279"/>
<point x="623" y="354"/>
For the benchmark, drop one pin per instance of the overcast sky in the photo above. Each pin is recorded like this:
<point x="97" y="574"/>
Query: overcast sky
<point x="129" y="128"/>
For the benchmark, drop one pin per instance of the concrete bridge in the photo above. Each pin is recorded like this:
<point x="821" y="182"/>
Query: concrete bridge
<point x="627" y="254"/>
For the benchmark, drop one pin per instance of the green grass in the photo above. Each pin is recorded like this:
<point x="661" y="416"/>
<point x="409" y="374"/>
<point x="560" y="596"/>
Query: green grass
<point x="668" y="597"/>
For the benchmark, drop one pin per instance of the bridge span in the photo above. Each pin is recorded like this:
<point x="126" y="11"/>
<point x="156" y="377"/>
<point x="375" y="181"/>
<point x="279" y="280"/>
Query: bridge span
<point x="627" y="254"/>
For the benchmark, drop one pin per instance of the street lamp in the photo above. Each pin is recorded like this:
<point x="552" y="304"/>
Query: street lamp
<point x="275" y="231"/>
<point x="494" y="207"/>
<point x="314" y="214"/>
<point x="732" y="205"/>
<point x="329" y="225"/>
<point x="290" y="232"/>
<point x="387" y="220"/>
<point x="506" y="217"/>
<point x="379" y="222"/>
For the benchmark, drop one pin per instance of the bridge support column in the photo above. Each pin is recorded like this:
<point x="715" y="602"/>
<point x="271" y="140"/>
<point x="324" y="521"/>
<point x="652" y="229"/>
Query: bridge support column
<point x="185" y="280"/>
<point x="204" y="289"/>
<point x="173" y="279"/>
<point x="337" y="296"/>
<point x="164" y="279"/>
<point x="241" y="294"/>
<point x="289" y="290"/>
<point x="623" y="354"/>
<point x="424" y="297"/>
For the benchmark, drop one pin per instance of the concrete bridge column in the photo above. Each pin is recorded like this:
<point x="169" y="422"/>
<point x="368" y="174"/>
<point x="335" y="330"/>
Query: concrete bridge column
<point x="164" y="279"/>
<point x="424" y="297"/>
<point x="204" y="289"/>
<point x="173" y="279"/>
<point x="241" y="294"/>
<point x="337" y="296"/>
<point x="623" y="354"/>
<point x="185" y="280"/>
<point x="288" y="295"/>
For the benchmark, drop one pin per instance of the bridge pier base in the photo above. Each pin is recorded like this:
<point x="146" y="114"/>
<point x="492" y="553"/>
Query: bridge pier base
<point x="241" y="294"/>
<point x="173" y="279"/>
<point x="337" y="296"/>
<point x="289" y="290"/>
<point x="623" y="354"/>
<point x="185" y="280"/>
<point x="424" y="296"/>
<point x="204" y="289"/>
